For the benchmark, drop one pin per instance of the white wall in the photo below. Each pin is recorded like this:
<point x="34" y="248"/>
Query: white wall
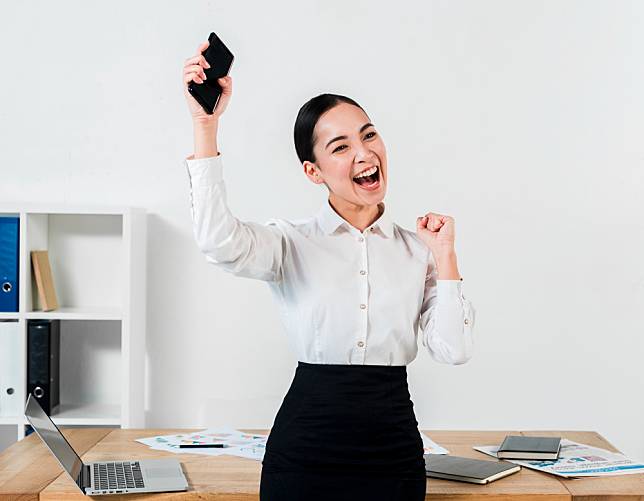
<point x="522" y="119"/>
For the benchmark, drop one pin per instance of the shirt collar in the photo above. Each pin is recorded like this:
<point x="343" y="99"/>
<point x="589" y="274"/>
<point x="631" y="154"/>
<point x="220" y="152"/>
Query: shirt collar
<point x="330" y="220"/>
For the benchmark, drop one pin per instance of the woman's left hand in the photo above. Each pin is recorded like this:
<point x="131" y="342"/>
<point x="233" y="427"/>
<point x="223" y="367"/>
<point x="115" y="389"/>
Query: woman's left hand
<point x="437" y="231"/>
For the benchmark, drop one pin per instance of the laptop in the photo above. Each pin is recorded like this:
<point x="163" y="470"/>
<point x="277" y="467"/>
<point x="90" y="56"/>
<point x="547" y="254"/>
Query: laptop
<point x="105" y="477"/>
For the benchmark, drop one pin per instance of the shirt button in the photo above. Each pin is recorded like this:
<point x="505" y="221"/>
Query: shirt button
<point x="363" y="306"/>
<point x="363" y="272"/>
<point x="360" y="239"/>
<point x="360" y="344"/>
<point x="466" y="321"/>
<point x="372" y="229"/>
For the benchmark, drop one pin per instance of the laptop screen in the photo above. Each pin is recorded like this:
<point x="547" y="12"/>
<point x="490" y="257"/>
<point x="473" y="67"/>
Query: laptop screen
<point x="53" y="438"/>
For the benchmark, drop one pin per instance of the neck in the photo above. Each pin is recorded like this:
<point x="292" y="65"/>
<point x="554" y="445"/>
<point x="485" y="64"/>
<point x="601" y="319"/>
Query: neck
<point x="358" y="216"/>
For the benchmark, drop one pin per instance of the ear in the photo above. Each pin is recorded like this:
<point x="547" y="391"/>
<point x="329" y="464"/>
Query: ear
<point x="312" y="171"/>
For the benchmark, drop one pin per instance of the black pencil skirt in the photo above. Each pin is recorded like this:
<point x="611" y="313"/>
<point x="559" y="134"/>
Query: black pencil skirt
<point x="345" y="432"/>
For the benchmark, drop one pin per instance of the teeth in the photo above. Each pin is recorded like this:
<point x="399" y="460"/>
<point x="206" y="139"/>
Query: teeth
<point x="368" y="172"/>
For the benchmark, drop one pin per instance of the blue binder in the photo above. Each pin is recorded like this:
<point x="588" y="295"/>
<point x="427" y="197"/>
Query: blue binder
<point x="9" y="245"/>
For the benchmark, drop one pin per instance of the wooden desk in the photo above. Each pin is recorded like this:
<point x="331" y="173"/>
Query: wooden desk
<point x="29" y="472"/>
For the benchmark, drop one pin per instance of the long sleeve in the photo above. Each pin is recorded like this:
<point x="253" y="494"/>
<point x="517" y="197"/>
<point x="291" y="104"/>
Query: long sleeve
<point x="446" y="319"/>
<point x="245" y="249"/>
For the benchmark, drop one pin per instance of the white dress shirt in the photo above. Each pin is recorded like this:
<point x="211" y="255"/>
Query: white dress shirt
<point x="345" y="296"/>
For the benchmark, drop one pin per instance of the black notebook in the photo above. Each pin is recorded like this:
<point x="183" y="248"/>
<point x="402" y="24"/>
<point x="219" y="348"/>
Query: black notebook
<point x="520" y="447"/>
<point x="475" y="471"/>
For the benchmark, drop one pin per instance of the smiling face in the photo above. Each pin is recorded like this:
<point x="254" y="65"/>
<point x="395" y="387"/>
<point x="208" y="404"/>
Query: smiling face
<point x="345" y="145"/>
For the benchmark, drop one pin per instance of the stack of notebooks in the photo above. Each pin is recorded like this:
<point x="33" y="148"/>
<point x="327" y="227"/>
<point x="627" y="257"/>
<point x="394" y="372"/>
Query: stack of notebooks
<point x="479" y="471"/>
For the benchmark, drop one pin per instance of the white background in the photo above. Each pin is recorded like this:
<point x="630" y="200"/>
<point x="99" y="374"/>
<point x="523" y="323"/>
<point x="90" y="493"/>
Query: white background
<point x="523" y="120"/>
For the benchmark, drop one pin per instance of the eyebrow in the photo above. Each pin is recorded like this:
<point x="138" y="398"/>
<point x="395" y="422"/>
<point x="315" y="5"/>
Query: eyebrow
<point x="365" y="126"/>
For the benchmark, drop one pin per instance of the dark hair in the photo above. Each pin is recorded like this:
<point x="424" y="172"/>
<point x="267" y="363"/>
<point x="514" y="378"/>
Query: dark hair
<point x="308" y="116"/>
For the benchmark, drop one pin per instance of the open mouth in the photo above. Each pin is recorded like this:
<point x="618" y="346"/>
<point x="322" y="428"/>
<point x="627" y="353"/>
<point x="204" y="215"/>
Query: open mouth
<point x="369" y="182"/>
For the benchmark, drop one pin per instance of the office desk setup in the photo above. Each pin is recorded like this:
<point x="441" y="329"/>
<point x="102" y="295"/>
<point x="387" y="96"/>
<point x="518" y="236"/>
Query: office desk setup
<point x="28" y="471"/>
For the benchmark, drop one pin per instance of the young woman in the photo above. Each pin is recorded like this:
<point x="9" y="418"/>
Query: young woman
<point x="353" y="289"/>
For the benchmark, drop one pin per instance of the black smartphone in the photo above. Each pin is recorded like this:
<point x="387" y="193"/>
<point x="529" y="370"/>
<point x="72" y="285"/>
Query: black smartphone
<point x="220" y="60"/>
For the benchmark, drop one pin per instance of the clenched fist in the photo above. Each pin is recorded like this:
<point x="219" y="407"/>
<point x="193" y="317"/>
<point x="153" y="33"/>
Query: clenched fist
<point x="437" y="231"/>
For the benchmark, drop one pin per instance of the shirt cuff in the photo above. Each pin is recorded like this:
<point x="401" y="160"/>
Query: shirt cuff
<point x="204" y="171"/>
<point x="449" y="288"/>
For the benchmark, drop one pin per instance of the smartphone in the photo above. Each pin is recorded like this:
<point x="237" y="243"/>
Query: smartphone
<point x="220" y="59"/>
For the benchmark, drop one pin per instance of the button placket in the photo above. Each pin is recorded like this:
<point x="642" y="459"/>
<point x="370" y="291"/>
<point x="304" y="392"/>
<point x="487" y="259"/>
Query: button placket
<point x="363" y="271"/>
<point x="364" y="297"/>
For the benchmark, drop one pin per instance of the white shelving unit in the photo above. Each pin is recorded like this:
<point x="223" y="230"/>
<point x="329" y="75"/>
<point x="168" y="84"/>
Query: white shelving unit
<point x="98" y="261"/>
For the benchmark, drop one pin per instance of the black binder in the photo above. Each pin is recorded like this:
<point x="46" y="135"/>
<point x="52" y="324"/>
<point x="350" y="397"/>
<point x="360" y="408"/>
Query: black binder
<point x="43" y="363"/>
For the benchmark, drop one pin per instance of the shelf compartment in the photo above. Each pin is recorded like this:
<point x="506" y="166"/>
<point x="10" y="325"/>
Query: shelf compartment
<point x="87" y="258"/>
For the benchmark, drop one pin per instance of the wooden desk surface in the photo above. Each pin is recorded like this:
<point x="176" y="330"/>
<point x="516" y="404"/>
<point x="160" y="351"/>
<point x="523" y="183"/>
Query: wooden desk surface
<point x="28" y="471"/>
<point x="27" y="467"/>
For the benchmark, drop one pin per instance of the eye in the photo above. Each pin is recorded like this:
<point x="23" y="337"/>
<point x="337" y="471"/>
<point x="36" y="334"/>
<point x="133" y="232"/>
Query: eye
<point x="367" y="136"/>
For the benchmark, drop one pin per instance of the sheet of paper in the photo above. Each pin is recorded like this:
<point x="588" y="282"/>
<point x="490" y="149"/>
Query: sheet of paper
<point x="170" y="443"/>
<point x="431" y="447"/>
<point x="219" y="435"/>
<point x="237" y="443"/>
<point x="577" y="460"/>
<point x="253" y="451"/>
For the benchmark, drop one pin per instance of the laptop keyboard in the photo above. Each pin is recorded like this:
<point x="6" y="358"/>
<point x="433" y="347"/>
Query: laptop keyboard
<point x="118" y="475"/>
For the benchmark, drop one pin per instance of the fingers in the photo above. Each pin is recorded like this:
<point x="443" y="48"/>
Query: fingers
<point x="199" y="59"/>
<point x="436" y="221"/>
<point x="194" y="66"/>
<point x="433" y="221"/>
<point x="226" y="84"/>
<point x="194" y="69"/>
<point x="194" y="72"/>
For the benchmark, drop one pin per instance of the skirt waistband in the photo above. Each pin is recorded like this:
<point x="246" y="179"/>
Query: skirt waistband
<point x="350" y="382"/>
<point x="391" y="369"/>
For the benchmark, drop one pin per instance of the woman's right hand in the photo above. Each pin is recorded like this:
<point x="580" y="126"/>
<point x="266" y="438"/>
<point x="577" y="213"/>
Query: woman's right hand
<point x="193" y="70"/>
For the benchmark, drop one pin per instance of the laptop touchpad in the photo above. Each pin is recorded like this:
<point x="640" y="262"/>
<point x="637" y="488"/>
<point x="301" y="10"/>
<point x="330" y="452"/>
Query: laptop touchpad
<point x="161" y="472"/>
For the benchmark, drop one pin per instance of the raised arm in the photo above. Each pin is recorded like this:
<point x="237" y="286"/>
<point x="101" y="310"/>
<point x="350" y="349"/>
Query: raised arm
<point x="245" y="249"/>
<point x="446" y="317"/>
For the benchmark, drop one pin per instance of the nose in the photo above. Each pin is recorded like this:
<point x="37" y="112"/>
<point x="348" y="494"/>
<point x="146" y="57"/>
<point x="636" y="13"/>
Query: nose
<point x="364" y="154"/>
